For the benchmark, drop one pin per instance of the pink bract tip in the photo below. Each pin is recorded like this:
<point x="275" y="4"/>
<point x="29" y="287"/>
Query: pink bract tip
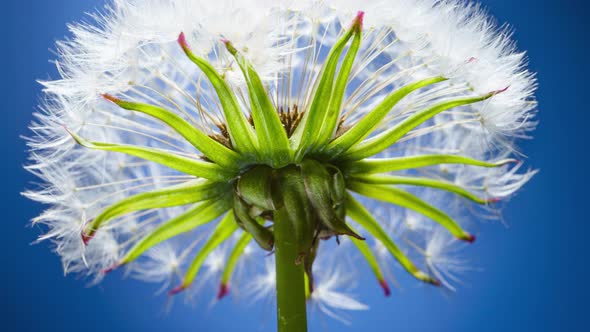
<point x="472" y="59"/>
<point x="470" y="238"/>
<point x="176" y="290"/>
<point x="493" y="200"/>
<point x="360" y="16"/>
<point x="500" y="91"/>
<point x="436" y="282"/>
<point x="223" y="291"/>
<point x="110" y="269"/>
<point x="110" y="98"/>
<point x="182" y="41"/>
<point x="385" y="286"/>
<point x="86" y="238"/>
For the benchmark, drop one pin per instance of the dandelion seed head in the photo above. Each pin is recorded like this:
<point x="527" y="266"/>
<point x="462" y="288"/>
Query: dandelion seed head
<point x="130" y="53"/>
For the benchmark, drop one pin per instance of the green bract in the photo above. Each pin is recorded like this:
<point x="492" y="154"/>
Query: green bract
<point x="287" y="182"/>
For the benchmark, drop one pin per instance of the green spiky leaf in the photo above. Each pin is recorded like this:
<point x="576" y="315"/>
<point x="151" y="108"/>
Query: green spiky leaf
<point x="367" y="253"/>
<point x="368" y="123"/>
<point x="199" y="215"/>
<point x="187" y="193"/>
<point x="232" y="262"/>
<point x="358" y="213"/>
<point x="330" y="120"/>
<point x="240" y="131"/>
<point x="226" y="227"/>
<point x="384" y="140"/>
<point x="305" y="135"/>
<point x="368" y="166"/>
<point x="272" y="137"/>
<point x="212" y="149"/>
<point x="404" y="199"/>
<point x="185" y="165"/>
<point x="418" y="181"/>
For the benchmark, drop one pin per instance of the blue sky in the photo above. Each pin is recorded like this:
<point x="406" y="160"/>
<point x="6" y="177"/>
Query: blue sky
<point x="533" y="272"/>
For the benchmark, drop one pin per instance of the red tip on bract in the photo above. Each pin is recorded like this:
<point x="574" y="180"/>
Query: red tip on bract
<point x="86" y="238"/>
<point x="385" y="286"/>
<point x="493" y="200"/>
<point x="110" y="98"/>
<point x="176" y="290"/>
<point x="223" y="291"/>
<point x="493" y="93"/>
<point x="469" y="238"/>
<point x="436" y="282"/>
<point x="229" y="46"/>
<point x="472" y="59"/>
<point x="111" y="269"/>
<point x="182" y="41"/>
<point x="358" y="20"/>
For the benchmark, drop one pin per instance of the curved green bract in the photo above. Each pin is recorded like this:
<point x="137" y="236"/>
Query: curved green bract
<point x="368" y="123"/>
<point x="192" y="192"/>
<point x="197" y="216"/>
<point x="305" y="135"/>
<point x="330" y="121"/>
<point x="297" y="208"/>
<point x="253" y="224"/>
<point x="368" y="166"/>
<point x="384" y="140"/>
<point x="185" y="165"/>
<point x="226" y="227"/>
<point x="272" y="137"/>
<point x="417" y="181"/>
<point x="240" y="131"/>
<point x="234" y="257"/>
<point x="367" y="253"/>
<point x="403" y="198"/>
<point x="358" y="213"/>
<point x="318" y="186"/>
<point x="212" y="149"/>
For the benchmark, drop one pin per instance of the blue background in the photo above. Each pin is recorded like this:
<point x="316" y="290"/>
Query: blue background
<point x="535" y="271"/>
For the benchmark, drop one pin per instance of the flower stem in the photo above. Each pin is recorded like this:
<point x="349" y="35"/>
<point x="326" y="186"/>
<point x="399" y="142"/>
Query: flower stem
<point x="291" y="310"/>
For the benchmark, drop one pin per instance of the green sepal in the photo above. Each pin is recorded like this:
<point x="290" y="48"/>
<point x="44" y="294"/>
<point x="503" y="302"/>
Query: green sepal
<point x="305" y="135"/>
<point x="385" y="139"/>
<point x="297" y="208"/>
<point x="252" y="224"/>
<point x="418" y="181"/>
<point x="240" y="131"/>
<point x="318" y="185"/>
<point x="225" y="228"/>
<point x="358" y="213"/>
<point x="186" y="193"/>
<point x="368" y="166"/>
<point x="272" y="137"/>
<point x="255" y="187"/>
<point x="185" y="165"/>
<point x="404" y="199"/>
<point x="212" y="149"/>
<point x="199" y="215"/>
<point x="369" y="122"/>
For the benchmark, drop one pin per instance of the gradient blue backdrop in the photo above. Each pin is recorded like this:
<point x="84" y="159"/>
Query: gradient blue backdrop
<point x="534" y="274"/>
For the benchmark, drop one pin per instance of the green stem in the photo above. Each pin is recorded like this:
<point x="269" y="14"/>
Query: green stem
<point x="291" y="310"/>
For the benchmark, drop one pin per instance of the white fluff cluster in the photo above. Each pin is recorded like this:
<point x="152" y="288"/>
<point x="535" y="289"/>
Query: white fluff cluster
<point x="130" y="50"/>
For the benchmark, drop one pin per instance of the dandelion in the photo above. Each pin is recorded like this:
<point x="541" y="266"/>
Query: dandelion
<point x="188" y="140"/>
